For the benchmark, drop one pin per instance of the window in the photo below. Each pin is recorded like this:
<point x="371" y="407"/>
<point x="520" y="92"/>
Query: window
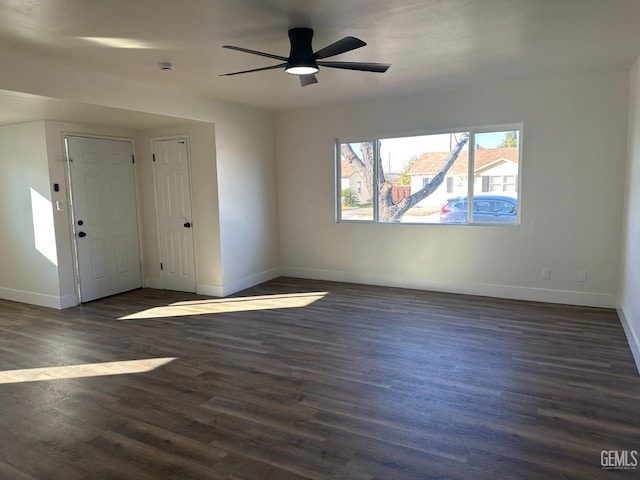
<point x="500" y="183"/>
<point x="495" y="183"/>
<point x="430" y="179"/>
<point x="355" y="205"/>
<point x="509" y="183"/>
<point x="449" y="184"/>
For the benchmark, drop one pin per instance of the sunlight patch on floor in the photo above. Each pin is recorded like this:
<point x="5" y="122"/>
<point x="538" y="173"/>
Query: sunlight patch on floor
<point x="82" y="371"/>
<point x="227" y="305"/>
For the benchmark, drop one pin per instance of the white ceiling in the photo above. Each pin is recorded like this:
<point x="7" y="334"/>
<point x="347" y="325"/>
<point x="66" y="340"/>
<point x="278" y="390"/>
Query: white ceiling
<point x="431" y="44"/>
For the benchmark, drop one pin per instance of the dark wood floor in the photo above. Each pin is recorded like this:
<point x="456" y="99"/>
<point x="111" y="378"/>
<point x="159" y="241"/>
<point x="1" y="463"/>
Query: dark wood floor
<point x="358" y="383"/>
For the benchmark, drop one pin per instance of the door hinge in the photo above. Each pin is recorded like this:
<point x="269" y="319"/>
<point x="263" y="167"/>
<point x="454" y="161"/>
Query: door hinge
<point x="160" y="266"/>
<point x="181" y="142"/>
<point x="133" y="158"/>
<point x="154" y="157"/>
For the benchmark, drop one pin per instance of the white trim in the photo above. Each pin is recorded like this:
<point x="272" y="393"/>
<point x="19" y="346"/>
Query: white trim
<point x="72" y="223"/>
<point x="632" y="337"/>
<point x="238" y="284"/>
<point x="338" y="181"/>
<point x="39" y="299"/>
<point x="250" y="281"/>
<point x="471" y="176"/>
<point x="566" y="297"/>
<point x="491" y="165"/>
<point x="209" y="290"/>
<point x="68" y="301"/>
<point x="471" y="171"/>
<point x="387" y="134"/>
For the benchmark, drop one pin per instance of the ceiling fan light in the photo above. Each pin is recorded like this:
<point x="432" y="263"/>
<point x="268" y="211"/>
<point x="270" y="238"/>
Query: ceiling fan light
<point x="301" y="70"/>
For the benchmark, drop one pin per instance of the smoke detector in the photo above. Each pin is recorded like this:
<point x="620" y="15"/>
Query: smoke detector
<point x="165" y="66"/>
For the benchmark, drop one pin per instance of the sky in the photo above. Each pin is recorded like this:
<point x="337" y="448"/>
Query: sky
<point x="397" y="152"/>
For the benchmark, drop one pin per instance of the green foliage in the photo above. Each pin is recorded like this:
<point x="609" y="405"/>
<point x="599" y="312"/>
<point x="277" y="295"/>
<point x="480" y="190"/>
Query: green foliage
<point x="349" y="198"/>
<point x="510" y="139"/>
<point x="405" y="178"/>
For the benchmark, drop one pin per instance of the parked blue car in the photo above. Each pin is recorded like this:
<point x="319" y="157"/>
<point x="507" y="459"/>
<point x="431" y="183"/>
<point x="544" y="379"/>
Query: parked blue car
<point x="486" y="209"/>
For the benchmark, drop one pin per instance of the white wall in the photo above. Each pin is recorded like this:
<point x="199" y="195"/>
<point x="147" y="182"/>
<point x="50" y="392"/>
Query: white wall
<point x="630" y="265"/>
<point x="574" y="148"/>
<point x="245" y="157"/>
<point x="204" y="192"/>
<point x="248" y="196"/>
<point x="28" y="254"/>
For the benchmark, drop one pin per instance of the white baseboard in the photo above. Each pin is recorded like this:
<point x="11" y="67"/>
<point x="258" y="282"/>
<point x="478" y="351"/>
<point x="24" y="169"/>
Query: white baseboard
<point x="209" y="290"/>
<point x="632" y="337"/>
<point x="237" y="284"/>
<point x="482" y="289"/>
<point x="39" y="299"/>
<point x="68" y="301"/>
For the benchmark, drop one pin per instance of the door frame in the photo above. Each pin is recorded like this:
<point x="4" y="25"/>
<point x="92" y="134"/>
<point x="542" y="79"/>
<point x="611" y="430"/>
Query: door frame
<point x="72" y="221"/>
<point x="155" y="199"/>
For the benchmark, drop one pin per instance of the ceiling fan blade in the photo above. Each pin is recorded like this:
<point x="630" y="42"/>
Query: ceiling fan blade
<point x="255" y="52"/>
<point x="360" y="66"/>
<point x="280" y="65"/>
<point x="308" y="80"/>
<point x="341" y="46"/>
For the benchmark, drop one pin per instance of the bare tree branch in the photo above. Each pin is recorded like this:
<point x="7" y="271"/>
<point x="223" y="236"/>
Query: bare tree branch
<point x="396" y="211"/>
<point x="365" y="167"/>
<point x="362" y="166"/>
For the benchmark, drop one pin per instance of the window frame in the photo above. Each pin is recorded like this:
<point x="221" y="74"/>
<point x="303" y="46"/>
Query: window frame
<point x="472" y="132"/>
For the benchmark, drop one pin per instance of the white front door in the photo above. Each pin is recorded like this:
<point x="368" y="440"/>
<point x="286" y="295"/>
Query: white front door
<point x="104" y="214"/>
<point x="175" y="229"/>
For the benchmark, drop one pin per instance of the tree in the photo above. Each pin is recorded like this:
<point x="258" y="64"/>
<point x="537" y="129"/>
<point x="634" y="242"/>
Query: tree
<point x="349" y="198"/>
<point x="405" y="178"/>
<point x="365" y="165"/>
<point x="510" y="139"/>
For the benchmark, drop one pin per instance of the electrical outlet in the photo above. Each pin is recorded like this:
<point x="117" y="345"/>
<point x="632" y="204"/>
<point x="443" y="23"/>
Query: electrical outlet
<point x="316" y="258"/>
<point x="582" y="276"/>
<point x="546" y="274"/>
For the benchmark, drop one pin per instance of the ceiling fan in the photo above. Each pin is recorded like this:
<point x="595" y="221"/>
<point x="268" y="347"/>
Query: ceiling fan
<point x="302" y="60"/>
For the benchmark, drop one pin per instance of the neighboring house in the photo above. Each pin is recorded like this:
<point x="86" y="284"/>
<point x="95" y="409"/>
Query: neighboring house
<point x="495" y="171"/>
<point x="351" y="179"/>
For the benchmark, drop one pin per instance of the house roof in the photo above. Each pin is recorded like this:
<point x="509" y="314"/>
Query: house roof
<point x="429" y="163"/>
<point x="346" y="169"/>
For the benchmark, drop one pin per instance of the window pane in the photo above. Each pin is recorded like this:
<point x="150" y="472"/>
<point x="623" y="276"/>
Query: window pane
<point x="422" y="166"/>
<point x="355" y="194"/>
<point x="496" y="156"/>
<point x="428" y="178"/>
<point x="510" y="183"/>
<point x="495" y="183"/>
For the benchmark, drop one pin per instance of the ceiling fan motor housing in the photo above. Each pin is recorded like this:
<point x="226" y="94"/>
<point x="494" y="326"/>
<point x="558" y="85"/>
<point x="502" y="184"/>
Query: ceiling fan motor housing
<point x="301" y="54"/>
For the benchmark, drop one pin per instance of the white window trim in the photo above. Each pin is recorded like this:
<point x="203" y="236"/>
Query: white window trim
<point x="472" y="131"/>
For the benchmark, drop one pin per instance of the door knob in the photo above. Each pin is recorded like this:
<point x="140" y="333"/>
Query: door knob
<point x="187" y="225"/>
<point x="82" y="234"/>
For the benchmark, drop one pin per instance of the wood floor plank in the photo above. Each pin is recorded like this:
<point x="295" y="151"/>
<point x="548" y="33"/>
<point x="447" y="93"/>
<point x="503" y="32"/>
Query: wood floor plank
<point x="314" y="380"/>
